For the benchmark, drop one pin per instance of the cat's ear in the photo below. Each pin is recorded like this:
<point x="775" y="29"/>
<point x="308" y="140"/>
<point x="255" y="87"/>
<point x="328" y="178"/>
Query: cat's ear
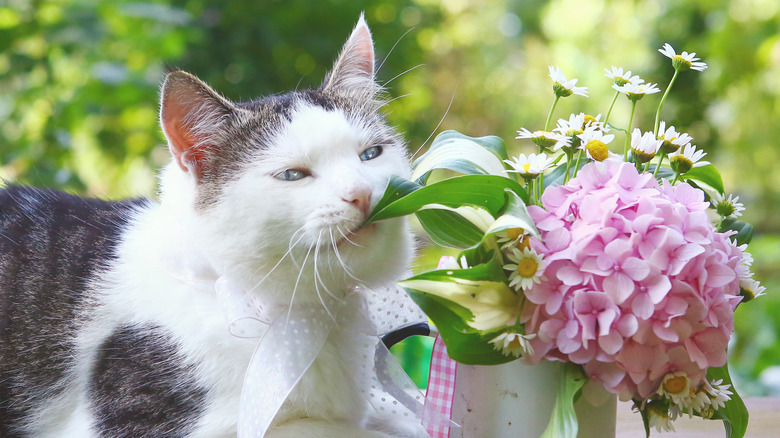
<point x="353" y="71"/>
<point x="191" y="116"/>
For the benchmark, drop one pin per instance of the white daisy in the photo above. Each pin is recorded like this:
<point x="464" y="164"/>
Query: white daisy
<point x="527" y="266"/>
<point x="636" y="90"/>
<point x="687" y="158"/>
<point x="513" y="236"/>
<point x="619" y="77"/>
<point x="659" y="417"/>
<point x="683" y="61"/>
<point x="727" y="207"/>
<point x="514" y="344"/>
<point x="675" y="387"/>
<point x="750" y="288"/>
<point x="543" y="139"/>
<point x="644" y="146"/>
<point x="594" y="142"/>
<point x="718" y="392"/>
<point x="531" y="166"/>
<point x="672" y="140"/>
<point x="563" y="87"/>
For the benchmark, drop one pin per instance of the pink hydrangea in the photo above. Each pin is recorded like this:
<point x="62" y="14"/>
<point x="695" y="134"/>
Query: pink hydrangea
<point x="638" y="282"/>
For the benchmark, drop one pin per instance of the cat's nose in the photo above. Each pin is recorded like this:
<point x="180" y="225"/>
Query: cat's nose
<point x="360" y="199"/>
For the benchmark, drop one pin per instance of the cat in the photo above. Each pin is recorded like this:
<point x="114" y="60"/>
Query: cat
<point x="99" y="337"/>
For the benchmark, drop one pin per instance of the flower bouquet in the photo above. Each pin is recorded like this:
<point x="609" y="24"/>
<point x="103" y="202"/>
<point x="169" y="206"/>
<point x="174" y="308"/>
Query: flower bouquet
<point x="625" y="263"/>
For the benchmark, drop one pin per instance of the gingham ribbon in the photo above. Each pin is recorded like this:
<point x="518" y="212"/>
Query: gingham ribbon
<point x="441" y="389"/>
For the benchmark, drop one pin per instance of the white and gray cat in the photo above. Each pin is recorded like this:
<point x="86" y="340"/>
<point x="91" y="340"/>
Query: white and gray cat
<point x="98" y="339"/>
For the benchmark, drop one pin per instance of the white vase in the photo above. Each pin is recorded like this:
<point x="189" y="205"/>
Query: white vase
<point x="516" y="400"/>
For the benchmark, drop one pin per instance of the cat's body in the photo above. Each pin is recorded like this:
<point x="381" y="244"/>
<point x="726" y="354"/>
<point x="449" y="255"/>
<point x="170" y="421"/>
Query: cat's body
<point x="102" y="336"/>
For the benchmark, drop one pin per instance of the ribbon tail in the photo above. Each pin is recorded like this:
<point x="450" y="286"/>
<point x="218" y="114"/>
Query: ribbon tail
<point x="284" y="354"/>
<point x="437" y="410"/>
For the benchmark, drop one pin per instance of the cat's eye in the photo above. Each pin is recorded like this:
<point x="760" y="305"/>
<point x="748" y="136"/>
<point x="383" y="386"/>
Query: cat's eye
<point x="292" y="175"/>
<point x="371" y="153"/>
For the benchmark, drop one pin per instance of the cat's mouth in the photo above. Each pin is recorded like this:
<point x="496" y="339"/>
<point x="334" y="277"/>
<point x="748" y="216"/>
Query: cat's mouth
<point x="356" y="237"/>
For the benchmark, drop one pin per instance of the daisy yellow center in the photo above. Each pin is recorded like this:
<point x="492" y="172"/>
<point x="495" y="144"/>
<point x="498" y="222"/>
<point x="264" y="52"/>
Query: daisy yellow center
<point x="676" y="384"/>
<point x="588" y="119"/>
<point x="515" y="343"/>
<point x="524" y="243"/>
<point x="598" y="150"/>
<point x="527" y="267"/>
<point x="514" y="233"/>
<point x="526" y="167"/>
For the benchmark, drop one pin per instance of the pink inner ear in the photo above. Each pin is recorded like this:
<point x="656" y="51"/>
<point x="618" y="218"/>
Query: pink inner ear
<point x="364" y="49"/>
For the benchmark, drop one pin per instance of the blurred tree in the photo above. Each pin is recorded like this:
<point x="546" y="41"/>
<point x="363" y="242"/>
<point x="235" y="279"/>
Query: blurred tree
<point x="79" y="84"/>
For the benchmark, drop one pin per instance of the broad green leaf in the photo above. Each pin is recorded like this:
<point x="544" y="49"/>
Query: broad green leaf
<point x="744" y="230"/>
<point x="515" y="215"/>
<point x="486" y="191"/>
<point x="482" y="272"/>
<point x="708" y="175"/>
<point x="397" y="188"/>
<point x="448" y="228"/>
<point x="464" y="344"/>
<point x="563" y="423"/>
<point x="462" y="155"/>
<point x="734" y="414"/>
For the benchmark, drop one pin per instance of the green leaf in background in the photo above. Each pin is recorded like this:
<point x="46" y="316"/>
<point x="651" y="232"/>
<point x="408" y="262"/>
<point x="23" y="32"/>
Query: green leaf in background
<point x="563" y="423"/>
<point x="397" y="188"/>
<point x="486" y="191"/>
<point x="515" y="215"/>
<point x="744" y="230"/>
<point x="708" y="175"/>
<point x="734" y="414"/>
<point x="464" y="154"/>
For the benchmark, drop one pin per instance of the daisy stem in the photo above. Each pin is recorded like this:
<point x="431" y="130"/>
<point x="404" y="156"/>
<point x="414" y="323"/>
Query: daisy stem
<point x="569" y="156"/>
<point x="549" y="116"/>
<point x="614" y="99"/>
<point x="661" y="103"/>
<point x="577" y="165"/>
<point x="628" y="133"/>
<point x="658" y="166"/>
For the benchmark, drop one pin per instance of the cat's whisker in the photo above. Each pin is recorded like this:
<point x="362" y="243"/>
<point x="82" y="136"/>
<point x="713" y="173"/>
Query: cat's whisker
<point x="289" y="250"/>
<point x="385" y="103"/>
<point x="291" y="245"/>
<point x="344" y="265"/>
<point x="345" y="237"/>
<point x="297" y="281"/>
<point x="318" y="279"/>
<point x="414" y="155"/>
<point x="401" y="74"/>
<point x="393" y="48"/>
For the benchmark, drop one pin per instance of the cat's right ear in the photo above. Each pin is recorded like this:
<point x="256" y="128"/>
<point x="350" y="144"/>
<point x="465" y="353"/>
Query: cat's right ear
<point x="191" y="116"/>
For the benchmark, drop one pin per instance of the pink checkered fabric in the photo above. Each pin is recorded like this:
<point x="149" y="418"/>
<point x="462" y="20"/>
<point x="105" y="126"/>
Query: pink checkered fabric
<point x="441" y="388"/>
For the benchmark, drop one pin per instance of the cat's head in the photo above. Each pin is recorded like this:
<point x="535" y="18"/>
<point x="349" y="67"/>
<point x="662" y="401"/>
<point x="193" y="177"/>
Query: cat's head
<point x="298" y="172"/>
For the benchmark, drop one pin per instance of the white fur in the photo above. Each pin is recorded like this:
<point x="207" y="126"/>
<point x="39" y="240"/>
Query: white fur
<point x="243" y="236"/>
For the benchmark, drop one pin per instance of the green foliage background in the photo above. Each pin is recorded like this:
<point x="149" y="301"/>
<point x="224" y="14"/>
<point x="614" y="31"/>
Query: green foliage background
<point x="79" y="86"/>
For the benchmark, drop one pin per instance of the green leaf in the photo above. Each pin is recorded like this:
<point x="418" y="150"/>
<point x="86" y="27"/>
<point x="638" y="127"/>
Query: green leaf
<point x="397" y="188"/>
<point x="744" y="230"/>
<point x="486" y="191"/>
<point x="708" y="175"/>
<point x="734" y="414"/>
<point x="464" y="344"/>
<point x="448" y="228"/>
<point x="461" y="153"/>
<point x="515" y="215"/>
<point x="563" y="423"/>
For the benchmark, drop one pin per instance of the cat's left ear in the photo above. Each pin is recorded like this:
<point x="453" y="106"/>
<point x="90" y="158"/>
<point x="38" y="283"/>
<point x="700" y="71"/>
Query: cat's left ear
<point x="353" y="71"/>
<point x="192" y="116"/>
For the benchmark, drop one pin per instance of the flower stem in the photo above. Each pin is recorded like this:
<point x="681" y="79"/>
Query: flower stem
<point x="658" y="166"/>
<point x="628" y="133"/>
<point x="549" y="116"/>
<point x="577" y="165"/>
<point x="614" y="99"/>
<point x="661" y="103"/>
